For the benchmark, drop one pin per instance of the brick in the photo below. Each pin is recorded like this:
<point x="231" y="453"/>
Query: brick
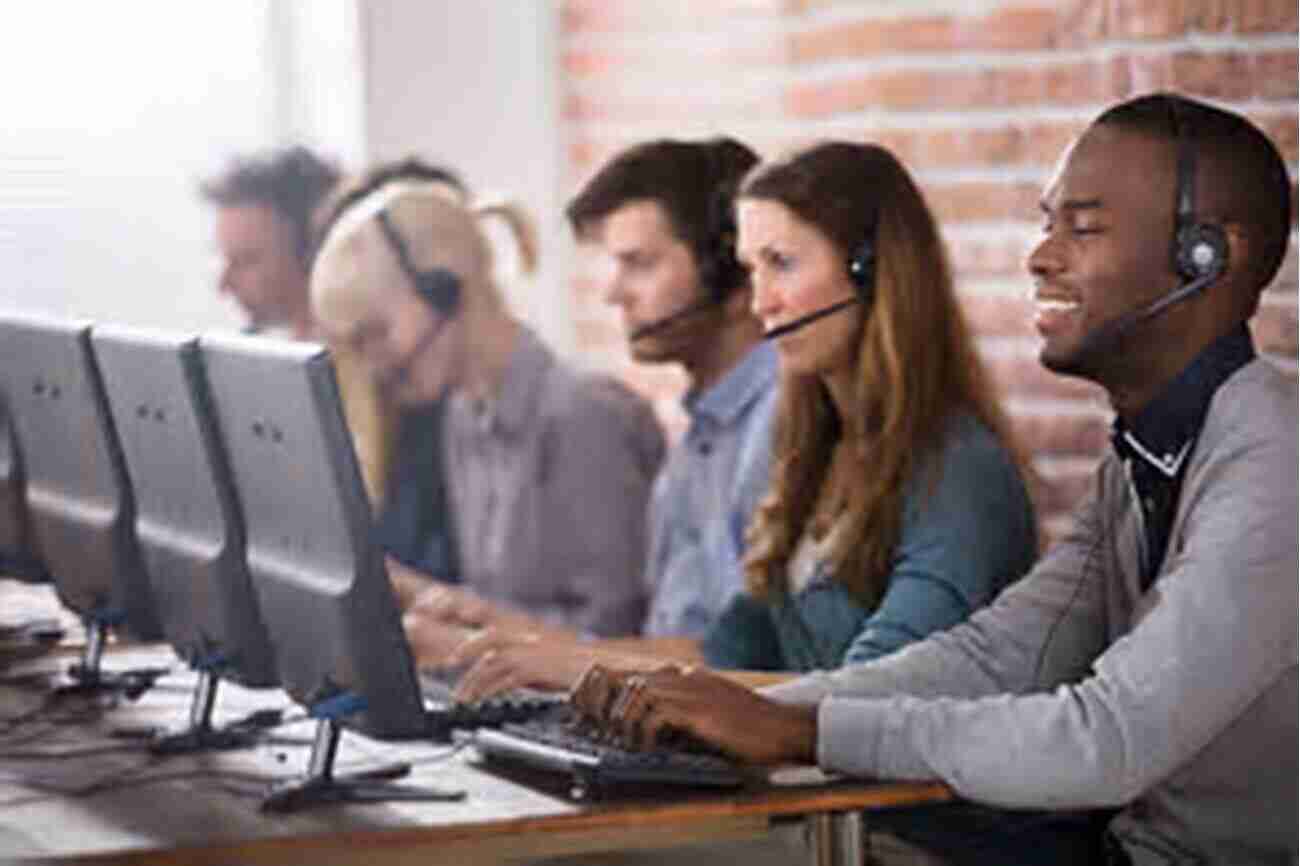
<point x="1061" y="435"/>
<point x="1225" y="75"/>
<point x="1212" y="16"/>
<point x="1282" y="129"/>
<point x="1024" y="376"/>
<point x="1013" y="28"/>
<point x="975" y="201"/>
<point x="1081" y="22"/>
<point x="873" y="36"/>
<point x="999" y="315"/>
<point x="1285" y="281"/>
<point x="1276" y="75"/>
<point x="1275" y="329"/>
<point x="589" y="63"/>
<point x="983" y="257"/>
<point x="1266" y="16"/>
<point x="1147" y="19"/>
<point x="606" y="16"/>
<point x="1065" y="83"/>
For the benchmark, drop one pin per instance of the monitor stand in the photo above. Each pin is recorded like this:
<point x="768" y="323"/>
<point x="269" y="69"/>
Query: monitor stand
<point x="88" y="676"/>
<point x="321" y="786"/>
<point x="201" y="736"/>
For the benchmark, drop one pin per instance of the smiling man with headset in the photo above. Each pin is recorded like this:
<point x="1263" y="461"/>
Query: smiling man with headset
<point x="1147" y="664"/>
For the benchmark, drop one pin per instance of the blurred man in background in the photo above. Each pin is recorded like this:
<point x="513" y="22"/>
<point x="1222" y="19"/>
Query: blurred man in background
<point x="265" y="205"/>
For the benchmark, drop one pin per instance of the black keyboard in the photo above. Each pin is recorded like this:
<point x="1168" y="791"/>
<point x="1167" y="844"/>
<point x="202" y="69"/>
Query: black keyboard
<point x="558" y="743"/>
<point x="445" y="715"/>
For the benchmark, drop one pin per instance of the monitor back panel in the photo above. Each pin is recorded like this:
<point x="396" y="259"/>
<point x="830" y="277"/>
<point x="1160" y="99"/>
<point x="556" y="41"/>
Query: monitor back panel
<point x="78" y="494"/>
<point x="18" y="555"/>
<point x="187" y="518"/>
<point x="319" y="578"/>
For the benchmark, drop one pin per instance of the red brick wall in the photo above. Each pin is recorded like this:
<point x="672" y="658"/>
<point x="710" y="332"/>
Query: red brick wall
<point x="977" y="102"/>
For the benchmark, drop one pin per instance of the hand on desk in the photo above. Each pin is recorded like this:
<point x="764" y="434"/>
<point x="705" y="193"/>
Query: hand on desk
<point x="643" y="707"/>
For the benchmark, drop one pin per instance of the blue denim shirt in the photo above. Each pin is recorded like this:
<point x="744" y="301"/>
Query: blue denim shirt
<point x="961" y="542"/>
<point x="710" y="484"/>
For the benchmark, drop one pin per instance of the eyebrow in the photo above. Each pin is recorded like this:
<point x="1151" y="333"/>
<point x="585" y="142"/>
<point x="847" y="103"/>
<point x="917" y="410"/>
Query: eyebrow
<point x="1076" y="204"/>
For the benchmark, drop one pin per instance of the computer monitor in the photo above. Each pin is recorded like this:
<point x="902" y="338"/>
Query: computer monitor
<point x="187" y="518"/>
<point x="79" y="503"/>
<point x="18" y="555"/>
<point x="319" y="577"/>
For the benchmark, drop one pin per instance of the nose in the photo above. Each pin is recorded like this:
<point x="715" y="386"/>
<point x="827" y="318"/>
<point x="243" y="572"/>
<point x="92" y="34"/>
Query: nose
<point x="1045" y="261"/>
<point x="614" y="292"/>
<point x="764" y="300"/>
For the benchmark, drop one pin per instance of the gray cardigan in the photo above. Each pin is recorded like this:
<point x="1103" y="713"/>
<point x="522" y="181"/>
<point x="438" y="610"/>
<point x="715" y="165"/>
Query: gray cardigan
<point x="1076" y="689"/>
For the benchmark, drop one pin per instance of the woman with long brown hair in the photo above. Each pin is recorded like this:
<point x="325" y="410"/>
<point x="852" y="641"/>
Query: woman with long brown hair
<point x="897" y="504"/>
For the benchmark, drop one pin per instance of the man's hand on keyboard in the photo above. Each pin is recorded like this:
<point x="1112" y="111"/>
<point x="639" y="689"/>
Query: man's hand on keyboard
<point x="643" y="708"/>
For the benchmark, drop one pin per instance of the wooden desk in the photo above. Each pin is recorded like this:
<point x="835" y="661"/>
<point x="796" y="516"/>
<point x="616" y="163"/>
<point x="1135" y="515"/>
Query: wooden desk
<point x="203" y="809"/>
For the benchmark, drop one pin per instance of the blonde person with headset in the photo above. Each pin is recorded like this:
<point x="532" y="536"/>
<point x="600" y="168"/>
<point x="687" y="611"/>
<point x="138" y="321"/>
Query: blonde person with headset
<point x="543" y="472"/>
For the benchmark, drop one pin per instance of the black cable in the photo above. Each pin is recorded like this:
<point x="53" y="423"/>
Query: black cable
<point x="1089" y="564"/>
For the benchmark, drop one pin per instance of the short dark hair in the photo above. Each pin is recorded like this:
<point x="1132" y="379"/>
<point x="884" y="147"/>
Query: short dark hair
<point x="1245" y="167"/>
<point x="293" y="182"/>
<point x="693" y="181"/>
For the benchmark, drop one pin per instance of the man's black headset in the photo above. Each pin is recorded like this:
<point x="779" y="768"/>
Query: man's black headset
<point x="1200" y="249"/>
<point x="715" y="259"/>
<point x="861" y="266"/>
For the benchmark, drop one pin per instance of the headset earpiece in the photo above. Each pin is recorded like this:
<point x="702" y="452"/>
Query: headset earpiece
<point x="720" y="271"/>
<point x="862" y="269"/>
<point x="438" y="286"/>
<point x="1200" y="248"/>
<point x="441" y="288"/>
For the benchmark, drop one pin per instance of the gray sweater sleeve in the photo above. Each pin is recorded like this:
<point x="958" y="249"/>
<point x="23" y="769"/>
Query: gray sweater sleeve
<point x="1215" y="632"/>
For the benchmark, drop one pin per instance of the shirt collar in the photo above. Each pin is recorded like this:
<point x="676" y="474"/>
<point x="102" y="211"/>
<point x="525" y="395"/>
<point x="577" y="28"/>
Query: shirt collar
<point x="1162" y="433"/>
<point x="726" y="399"/>
<point x="516" y="401"/>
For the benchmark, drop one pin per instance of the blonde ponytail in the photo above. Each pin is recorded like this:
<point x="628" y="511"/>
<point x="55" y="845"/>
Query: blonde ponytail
<point x="521" y="227"/>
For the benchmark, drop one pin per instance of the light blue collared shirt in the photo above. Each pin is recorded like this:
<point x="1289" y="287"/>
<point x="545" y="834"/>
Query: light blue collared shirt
<point x="705" y="494"/>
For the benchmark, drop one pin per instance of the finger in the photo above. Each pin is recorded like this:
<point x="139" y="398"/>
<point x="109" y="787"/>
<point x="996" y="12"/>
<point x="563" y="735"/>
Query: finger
<point x="476" y="644"/>
<point x="428" y="602"/>
<point x="491" y="675"/>
<point x="595" y="693"/>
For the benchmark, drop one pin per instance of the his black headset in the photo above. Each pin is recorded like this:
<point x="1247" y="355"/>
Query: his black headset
<point x="715" y="259"/>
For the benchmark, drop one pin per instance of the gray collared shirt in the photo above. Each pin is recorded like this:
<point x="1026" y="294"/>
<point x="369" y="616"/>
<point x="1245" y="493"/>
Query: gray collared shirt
<point x="705" y="495"/>
<point x="548" y="485"/>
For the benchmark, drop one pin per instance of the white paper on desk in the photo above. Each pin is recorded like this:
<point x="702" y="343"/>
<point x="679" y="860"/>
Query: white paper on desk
<point x="800" y="775"/>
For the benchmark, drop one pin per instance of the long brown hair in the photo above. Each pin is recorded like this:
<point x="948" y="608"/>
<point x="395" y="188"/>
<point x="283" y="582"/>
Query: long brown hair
<point x="916" y="369"/>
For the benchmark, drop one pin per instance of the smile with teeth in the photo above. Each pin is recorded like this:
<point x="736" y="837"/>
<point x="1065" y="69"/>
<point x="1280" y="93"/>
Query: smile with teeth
<point x="1055" y="305"/>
